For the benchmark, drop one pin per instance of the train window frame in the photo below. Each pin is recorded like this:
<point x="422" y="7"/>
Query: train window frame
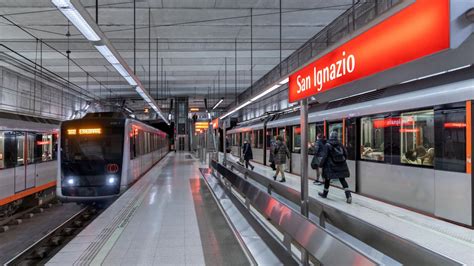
<point x="400" y="161"/>
<point x="295" y="148"/>
<point x="334" y="122"/>
<point x="441" y="129"/>
<point x="360" y="135"/>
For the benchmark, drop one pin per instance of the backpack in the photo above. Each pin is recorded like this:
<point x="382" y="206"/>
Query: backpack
<point x="337" y="154"/>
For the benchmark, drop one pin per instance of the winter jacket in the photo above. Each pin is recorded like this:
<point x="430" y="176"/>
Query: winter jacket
<point x="247" y="151"/>
<point x="281" y="153"/>
<point x="272" y="150"/>
<point x="331" y="168"/>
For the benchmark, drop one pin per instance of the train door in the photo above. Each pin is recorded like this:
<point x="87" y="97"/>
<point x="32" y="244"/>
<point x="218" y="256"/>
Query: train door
<point x="20" y="175"/>
<point x="345" y="130"/>
<point x="30" y="163"/>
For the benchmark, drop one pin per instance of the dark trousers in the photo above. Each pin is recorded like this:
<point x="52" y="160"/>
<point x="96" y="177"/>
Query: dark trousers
<point x="344" y="184"/>
<point x="247" y="164"/>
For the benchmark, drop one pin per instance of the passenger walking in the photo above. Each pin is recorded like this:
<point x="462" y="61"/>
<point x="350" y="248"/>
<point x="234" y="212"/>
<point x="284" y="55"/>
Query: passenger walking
<point x="247" y="152"/>
<point x="280" y="153"/>
<point x="272" y="155"/>
<point x="334" y="165"/>
<point x="318" y="151"/>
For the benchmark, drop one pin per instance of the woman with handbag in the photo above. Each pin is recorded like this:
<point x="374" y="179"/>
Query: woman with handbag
<point x="320" y="142"/>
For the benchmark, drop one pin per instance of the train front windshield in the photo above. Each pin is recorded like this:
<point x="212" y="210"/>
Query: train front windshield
<point x="91" y="157"/>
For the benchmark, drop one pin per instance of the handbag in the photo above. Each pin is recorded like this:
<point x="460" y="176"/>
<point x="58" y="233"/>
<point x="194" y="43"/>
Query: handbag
<point x="315" y="162"/>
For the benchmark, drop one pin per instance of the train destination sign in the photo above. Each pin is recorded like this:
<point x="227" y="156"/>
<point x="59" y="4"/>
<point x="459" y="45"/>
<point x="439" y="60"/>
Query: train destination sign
<point x="416" y="31"/>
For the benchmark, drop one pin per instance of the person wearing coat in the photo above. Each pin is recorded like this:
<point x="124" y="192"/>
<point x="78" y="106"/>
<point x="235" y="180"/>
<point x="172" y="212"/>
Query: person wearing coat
<point x="247" y="153"/>
<point x="334" y="165"/>
<point x="280" y="153"/>
<point x="271" y="160"/>
<point x="318" y="151"/>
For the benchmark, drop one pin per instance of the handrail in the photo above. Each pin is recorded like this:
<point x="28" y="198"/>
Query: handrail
<point x="400" y="249"/>
<point x="325" y="247"/>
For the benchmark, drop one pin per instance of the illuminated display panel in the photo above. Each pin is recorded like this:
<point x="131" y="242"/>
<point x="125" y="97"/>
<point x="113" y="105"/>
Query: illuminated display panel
<point x="90" y="131"/>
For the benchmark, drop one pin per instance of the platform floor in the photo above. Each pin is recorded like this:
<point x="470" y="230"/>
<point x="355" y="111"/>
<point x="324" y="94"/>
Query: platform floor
<point x="442" y="237"/>
<point x="167" y="218"/>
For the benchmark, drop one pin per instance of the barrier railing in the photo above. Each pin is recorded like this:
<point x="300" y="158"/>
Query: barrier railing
<point x="317" y="242"/>
<point x="400" y="249"/>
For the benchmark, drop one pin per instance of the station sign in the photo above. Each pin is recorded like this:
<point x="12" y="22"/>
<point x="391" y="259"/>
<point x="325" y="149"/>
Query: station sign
<point x="418" y="30"/>
<point x="215" y="123"/>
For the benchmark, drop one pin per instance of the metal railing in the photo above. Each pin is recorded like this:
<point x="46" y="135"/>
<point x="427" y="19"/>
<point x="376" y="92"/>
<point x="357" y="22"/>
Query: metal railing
<point x="396" y="247"/>
<point x="314" y="240"/>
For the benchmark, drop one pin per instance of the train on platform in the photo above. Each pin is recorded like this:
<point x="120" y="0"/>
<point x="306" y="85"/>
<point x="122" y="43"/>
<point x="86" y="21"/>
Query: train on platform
<point x="103" y="154"/>
<point x="28" y="161"/>
<point x="409" y="145"/>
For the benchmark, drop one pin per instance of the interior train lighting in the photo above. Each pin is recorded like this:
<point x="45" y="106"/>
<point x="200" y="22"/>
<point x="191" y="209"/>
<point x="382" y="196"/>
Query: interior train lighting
<point x="81" y="19"/>
<point x="265" y="92"/>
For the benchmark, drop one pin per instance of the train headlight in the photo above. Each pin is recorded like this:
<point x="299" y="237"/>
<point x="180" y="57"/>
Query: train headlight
<point x="70" y="181"/>
<point x="111" y="180"/>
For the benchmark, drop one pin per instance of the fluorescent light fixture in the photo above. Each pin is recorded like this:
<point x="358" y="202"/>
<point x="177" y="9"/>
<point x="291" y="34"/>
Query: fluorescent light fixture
<point x="353" y="95"/>
<point x="272" y="88"/>
<point x="70" y="12"/>
<point x="209" y="115"/>
<point x="130" y="81"/>
<point x="105" y="51"/>
<point x="80" y="18"/>
<point x="169" y="116"/>
<point x="87" y="106"/>
<point x="283" y="82"/>
<point x="121" y="70"/>
<point x="217" y="104"/>
<point x="436" y="74"/>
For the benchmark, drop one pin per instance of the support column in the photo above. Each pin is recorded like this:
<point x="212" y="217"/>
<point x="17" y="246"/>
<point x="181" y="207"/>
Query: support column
<point x="304" y="167"/>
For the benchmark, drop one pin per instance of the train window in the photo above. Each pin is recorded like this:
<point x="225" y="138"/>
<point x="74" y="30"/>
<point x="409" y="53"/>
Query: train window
<point x="8" y="150"/>
<point x="450" y="143"/>
<point x="417" y="138"/>
<point x="337" y="127"/>
<point x="372" y="138"/>
<point x="350" y="138"/>
<point x="43" y="147"/>
<point x="20" y="142"/>
<point x="30" y="148"/>
<point x="260" y="139"/>
<point x="296" y="139"/>
<point x="311" y="138"/>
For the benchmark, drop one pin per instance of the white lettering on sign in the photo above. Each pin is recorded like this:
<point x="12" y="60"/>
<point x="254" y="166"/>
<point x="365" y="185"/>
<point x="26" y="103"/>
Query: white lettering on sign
<point x="326" y="74"/>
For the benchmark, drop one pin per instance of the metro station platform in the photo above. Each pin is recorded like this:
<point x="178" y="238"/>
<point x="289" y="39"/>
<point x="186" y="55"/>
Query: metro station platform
<point x="167" y="217"/>
<point x="440" y="237"/>
<point x="170" y="217"/>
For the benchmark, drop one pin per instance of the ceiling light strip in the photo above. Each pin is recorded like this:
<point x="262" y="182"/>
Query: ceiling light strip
<point x="265" y="92"/>
<point x="77" y="15"/>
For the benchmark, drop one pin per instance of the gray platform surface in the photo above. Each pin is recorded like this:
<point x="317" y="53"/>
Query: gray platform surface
<point x="166" y="218"/>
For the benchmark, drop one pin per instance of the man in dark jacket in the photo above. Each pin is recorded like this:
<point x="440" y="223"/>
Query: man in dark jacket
<point x="280" y="152"/>
<point x="318" y="151"/>
<point x="247" y="153"/>
<point x="334" y="165"/>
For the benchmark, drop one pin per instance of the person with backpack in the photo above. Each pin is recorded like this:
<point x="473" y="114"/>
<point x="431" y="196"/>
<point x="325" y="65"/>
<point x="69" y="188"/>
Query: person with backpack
<point x="318" y="151"/>
<point x="334" y="165"/>
<point x="247" y="153"/>
<point x="280" y="153"/>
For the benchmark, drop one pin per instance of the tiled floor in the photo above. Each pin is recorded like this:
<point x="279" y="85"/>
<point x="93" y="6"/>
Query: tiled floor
<point x="442" y="237"/>
<point x="154" y="223"/>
